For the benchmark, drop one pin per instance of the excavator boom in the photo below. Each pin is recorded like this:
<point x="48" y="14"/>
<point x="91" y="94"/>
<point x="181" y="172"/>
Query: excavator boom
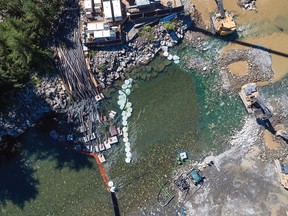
<point x="266" y="112"/>
<point x="222" y="20"/>
<point x="220" y="8"/>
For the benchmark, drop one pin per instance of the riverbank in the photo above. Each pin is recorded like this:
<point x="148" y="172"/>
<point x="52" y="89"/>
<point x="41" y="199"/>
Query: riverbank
<point x="29" y="104"/>
<point x="170" y="115"/>
<point x="49" y="94"/>
<point x="242" y="182"/>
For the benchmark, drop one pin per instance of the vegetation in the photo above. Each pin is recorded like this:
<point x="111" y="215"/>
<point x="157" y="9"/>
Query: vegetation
<point x="101" y="68"/>
<point x="169" y="26"/>
<point x="24" y="29"/>
<point x="147" y="28"/>
<point x="146" y="32"/>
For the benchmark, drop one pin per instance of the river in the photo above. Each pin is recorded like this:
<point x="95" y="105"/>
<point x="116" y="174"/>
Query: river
<point x="179" y="110"/>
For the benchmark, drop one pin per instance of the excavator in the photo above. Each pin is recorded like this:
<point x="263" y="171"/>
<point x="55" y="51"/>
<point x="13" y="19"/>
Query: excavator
<point x="253" y="102"/>
<point x="222" y="20"/>
<point x="281" y="132"/>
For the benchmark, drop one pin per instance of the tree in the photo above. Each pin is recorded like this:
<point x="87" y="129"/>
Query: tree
<point x="26" y="24"/>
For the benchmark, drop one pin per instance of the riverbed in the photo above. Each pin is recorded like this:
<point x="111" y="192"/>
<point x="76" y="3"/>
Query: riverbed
<point x="179" y="110"/>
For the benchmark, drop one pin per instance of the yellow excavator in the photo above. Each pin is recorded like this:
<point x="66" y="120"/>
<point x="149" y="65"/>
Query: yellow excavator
<point x="253" y="102"/>
<point x="281" y="132"/>
<point x="222" y="20"/>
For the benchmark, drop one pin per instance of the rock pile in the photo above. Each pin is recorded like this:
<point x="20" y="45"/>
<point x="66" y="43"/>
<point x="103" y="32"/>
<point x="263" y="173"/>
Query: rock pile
<point x="259" y="67"/>
<point x="30" y="104"/>
<point x="247" y="4"/>
<point x="25" y="110"/>
<point x="53" y="91"/>
<point x="110" y="65"/>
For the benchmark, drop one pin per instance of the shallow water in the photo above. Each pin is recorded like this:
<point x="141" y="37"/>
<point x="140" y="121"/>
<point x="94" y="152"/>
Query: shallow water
<point x="180" y="110"/>
<point x="47" y="179"/>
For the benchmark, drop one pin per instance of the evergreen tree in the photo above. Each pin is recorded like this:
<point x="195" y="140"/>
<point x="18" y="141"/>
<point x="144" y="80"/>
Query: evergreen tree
<point x="24" y="27"/>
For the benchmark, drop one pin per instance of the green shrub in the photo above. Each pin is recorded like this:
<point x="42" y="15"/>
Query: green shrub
<point x="169" y="26"/>
<point x="146" y="28"/>
<point x="101" y="68"/>
<point x="146" y="32"/>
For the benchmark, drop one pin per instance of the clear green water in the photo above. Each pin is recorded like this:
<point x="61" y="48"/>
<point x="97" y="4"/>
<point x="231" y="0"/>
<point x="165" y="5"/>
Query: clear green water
<point x="180" y="110"/>
<point x="47" y="179"/>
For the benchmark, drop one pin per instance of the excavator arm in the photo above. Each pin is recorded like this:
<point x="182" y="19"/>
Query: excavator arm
<point x="282" y="133"/>
<point x="220" y="8"/>
<point x="259" y="104"/>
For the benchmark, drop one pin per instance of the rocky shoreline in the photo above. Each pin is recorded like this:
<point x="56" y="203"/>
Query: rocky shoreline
<point x="112" y="64"/>
<point x="259" y="68"/>
<point x="29" y="104"/>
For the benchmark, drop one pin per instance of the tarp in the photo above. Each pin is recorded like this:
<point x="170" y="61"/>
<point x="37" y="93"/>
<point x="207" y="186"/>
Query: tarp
<point x="195" y="176"/>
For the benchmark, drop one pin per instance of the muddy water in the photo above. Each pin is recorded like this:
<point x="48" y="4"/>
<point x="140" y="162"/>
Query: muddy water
<point x="269" y="10"/>
<point x="239" y="68"/>
<point x="176" y="112"/>
<point x="277" y="42"/>
<point x="267" y="27"/>
<point x="270" y="141"/>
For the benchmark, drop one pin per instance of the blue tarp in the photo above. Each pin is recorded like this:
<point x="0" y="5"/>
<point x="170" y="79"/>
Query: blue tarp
<point x="285" y="168"/>
<point x="173" y="36"/>
<point x="168" y="18"/>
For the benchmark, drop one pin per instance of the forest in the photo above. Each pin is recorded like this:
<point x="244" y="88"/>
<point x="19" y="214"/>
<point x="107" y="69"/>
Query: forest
<point x="26" y="28"/>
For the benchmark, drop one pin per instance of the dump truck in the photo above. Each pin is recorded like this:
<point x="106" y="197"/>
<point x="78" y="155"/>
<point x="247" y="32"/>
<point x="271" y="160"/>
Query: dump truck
<point x="223" y="21"/>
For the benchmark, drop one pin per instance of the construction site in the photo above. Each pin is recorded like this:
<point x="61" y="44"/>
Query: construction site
<point x="106" y="23"/>
<point x="250" y="175"/>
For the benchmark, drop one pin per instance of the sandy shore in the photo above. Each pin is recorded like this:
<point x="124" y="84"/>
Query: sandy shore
<point x="240" y="183"/>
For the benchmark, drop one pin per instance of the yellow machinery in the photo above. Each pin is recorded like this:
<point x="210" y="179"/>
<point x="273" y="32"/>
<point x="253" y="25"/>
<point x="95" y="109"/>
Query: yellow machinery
<point x="281" y="132"/>
<point x="253" y="103"/>
<point x="223" y="21"/>
<point x="248" y="94"/>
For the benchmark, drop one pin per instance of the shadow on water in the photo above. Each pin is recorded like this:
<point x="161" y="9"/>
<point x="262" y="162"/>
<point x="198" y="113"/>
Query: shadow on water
<point x="18" y="182"/>
<point x="115" y="204"/>
<point x="234" y="39"/>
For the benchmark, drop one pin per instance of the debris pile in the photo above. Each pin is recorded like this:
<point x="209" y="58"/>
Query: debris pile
<point x="110" y="65"/>
<point x="247" y="4"/>
<point x="259" y="67"/>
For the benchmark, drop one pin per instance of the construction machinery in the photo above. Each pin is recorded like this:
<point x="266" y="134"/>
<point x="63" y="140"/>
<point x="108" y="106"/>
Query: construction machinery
<point x="222" y="20"/>
<point x="253" y="102"/>
<point x="282" y="171"/>
<point x="281" y="132"/>
<point x="195" y="177"/>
